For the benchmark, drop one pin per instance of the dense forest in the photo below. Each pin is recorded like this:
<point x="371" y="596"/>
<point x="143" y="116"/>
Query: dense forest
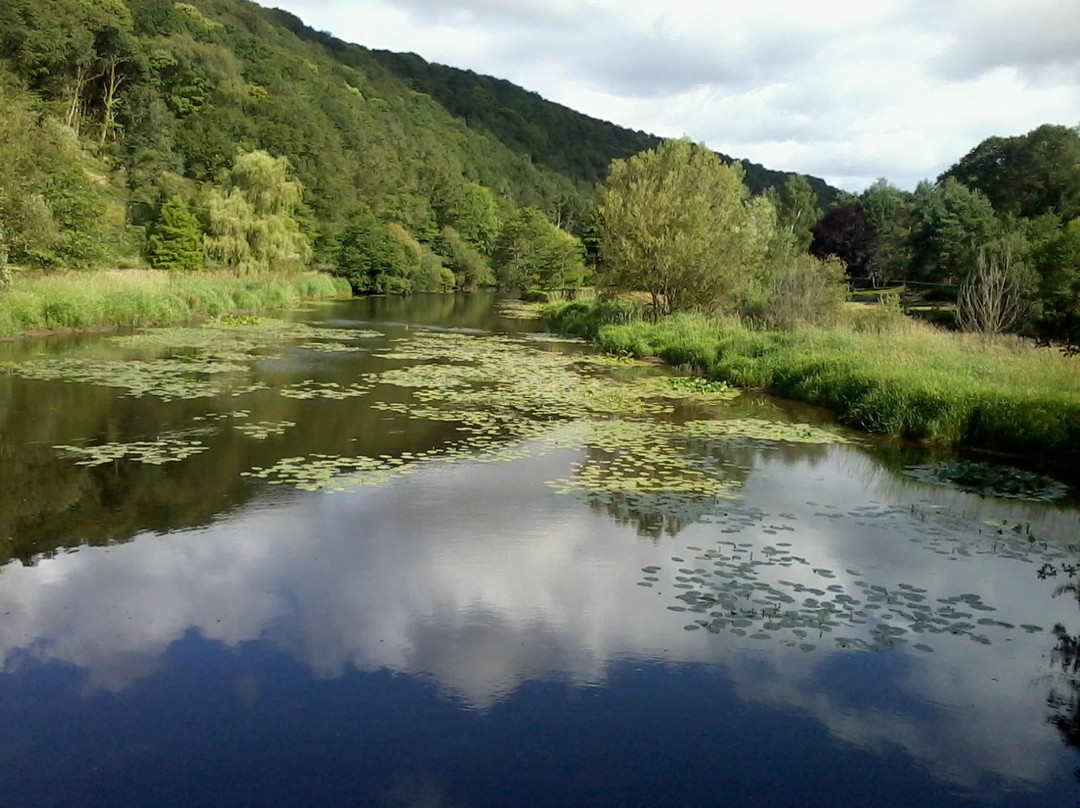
<point x="221" y="134"/>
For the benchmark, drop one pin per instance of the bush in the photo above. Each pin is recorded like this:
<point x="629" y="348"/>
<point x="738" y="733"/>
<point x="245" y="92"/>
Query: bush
<point x="585" y="318"/>
<point x="803" y="290"/>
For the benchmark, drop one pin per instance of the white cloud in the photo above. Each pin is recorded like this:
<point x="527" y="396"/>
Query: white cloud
<point x="848" y="90"/>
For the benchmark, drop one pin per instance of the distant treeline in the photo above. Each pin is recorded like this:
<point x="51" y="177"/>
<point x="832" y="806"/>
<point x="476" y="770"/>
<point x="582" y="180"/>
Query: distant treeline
<point x="999" y="232"/>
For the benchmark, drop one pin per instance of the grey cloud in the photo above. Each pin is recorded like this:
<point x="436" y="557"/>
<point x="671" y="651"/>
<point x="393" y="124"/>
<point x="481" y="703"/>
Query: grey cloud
<point x="1032" y="37"/>
<point x="650" y="65"/>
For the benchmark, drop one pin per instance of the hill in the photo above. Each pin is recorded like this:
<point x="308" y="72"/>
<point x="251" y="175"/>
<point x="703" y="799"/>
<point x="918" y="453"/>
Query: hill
<point x="552" y="135"/>
<point x="133" y="103"/>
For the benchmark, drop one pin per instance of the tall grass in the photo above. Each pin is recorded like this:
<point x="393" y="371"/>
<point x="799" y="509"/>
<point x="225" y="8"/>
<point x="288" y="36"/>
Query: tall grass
<point x="79" y="300"/>
<point x="887" y="375"/>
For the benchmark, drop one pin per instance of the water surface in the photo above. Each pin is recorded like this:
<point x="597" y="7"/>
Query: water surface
<point x="321" y="577"/>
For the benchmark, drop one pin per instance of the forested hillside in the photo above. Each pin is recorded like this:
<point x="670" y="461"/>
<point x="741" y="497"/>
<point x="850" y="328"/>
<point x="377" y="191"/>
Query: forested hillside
<point x="221" y="133"/>
<point x="554" y="136"/>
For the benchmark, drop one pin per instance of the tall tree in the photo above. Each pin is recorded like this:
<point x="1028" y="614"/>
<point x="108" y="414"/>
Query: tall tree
<point x="370" y="258"/>
<point x="671" y="222"/>
<point x="1026" y="175"/>
<point x="951" y="223"/>
<point x="175" y="241"/>
<point x="252" y="225"/>
<point x="532" y="253"/>
<point x="846" y="233"/>
<point x="888" y="213"/>
<point x="469" y="208"/>
<point x="797" y="210"/>
<point x="1057" y="261"/>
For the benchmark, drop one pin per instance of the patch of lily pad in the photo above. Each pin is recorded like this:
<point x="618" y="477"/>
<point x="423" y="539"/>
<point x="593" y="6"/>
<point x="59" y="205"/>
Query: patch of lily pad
<point x="260" y="430"/>
<point x="151" y="453"/>
<point x="519" y="309"/>
<point x="990" y="479"/>
<point x="753" y="583"/>
<point x="309" y="388"/>
<point x="510" y="398"/>
<point x="761" y="433"/>
<point x="167" y="379"/>
<point x="329" y="472"/>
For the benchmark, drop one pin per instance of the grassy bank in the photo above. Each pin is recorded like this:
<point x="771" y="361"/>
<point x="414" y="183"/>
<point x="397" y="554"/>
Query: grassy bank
<point x="84" y="300"/>
<point x="883" y="374"/>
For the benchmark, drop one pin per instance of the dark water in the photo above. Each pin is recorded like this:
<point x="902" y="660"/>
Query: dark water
<point x="466" y="635"/>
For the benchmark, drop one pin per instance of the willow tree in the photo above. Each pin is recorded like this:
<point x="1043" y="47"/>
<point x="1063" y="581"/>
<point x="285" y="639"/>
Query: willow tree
<point x="252" y="223"/>
<point x="675" y="222"/>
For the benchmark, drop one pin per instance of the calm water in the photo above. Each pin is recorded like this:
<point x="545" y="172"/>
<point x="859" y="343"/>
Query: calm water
<point x="456" y="627"/>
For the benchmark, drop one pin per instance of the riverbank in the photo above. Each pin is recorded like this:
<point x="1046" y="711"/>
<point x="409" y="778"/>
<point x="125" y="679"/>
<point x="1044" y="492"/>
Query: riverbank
<point x="888" y="376"/>
<point x="75" y="301"/>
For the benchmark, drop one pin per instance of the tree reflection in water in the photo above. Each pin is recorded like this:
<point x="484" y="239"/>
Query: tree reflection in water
<point x="1065" y="658"/>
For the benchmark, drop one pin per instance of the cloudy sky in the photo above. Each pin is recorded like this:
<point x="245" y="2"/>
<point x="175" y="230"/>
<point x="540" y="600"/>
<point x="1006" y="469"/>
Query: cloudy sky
<point x="845" y="90"/>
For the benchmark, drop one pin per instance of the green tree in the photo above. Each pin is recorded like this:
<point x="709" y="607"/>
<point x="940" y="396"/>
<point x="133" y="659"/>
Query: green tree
<point x="532" y="253"/>
<point x="52" y="211"/>
<point x="252" y="224"/>
<point x="950" y="224"/>
<point x="888" y="212"/>
<point x="1057" y="262"/>
<point x="371" y="258"/>
<point x="800" y="289"/>
<point x="673" y="222"/>
<point x="470" y="209"/>
<point x="469" y="268"/>
<point x="175" y="241"/>
<point x="797" y="210"/>
<point x="1027" y="175"/>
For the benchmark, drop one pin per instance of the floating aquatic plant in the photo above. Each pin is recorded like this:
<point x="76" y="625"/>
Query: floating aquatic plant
<point x="757" y="431"/>
<point x="151" y="453"/>
<point x="167" y="379"/>
<point x="309" y="388"/>
<point x="260" y="430"/>
<point x="742" y="586"/>
<point x="332" y="472"/>
<point x="990" y="479"/>
<point x="519" y="309"/>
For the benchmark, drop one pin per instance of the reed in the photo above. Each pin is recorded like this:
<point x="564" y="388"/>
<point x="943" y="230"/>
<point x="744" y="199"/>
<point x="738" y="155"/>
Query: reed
<point x="91" y="300"/>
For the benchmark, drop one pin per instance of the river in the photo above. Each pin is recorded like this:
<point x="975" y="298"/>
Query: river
<point x="414" y="552"/>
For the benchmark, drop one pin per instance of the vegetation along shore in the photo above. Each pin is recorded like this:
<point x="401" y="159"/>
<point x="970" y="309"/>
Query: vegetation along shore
<point x="85" y="300"/>
<point x="887" y="374"/>
<point x="225" y="154"/>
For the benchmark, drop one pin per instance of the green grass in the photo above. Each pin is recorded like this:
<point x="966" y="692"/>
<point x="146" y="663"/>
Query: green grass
<point x="881" y="373"/>
<point x="85" y="300"/>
